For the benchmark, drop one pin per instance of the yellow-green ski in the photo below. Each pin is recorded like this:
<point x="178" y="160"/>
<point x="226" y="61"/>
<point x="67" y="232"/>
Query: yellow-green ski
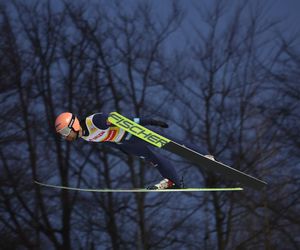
<point x="182" y="150"/>
<point x="139" y="190"/>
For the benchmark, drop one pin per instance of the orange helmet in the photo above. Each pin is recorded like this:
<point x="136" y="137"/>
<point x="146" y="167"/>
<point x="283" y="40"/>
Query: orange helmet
<point x="65" y="123"/>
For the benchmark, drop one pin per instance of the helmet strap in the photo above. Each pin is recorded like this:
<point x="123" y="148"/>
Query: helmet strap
<point x="72" y="121"/>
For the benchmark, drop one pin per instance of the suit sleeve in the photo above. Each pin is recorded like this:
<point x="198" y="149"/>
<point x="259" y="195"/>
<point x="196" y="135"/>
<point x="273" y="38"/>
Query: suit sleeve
<point x="100" y="120"/>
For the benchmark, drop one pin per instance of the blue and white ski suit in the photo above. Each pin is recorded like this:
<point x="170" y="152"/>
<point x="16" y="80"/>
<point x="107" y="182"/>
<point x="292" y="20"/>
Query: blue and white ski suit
<point x="96" y="128"/>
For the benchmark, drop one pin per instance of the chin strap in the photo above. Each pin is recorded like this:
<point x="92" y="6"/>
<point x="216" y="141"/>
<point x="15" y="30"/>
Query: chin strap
<point x="77" y="135"/>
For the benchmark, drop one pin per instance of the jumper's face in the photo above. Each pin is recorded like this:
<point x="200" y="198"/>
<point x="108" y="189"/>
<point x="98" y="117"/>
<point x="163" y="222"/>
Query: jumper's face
<point x="72" y="136"/>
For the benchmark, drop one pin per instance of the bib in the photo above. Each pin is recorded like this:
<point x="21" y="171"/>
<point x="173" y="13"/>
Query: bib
<point x="112" y="134"/>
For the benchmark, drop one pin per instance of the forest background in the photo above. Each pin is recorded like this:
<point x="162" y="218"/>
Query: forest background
<point x="227" y="81"/>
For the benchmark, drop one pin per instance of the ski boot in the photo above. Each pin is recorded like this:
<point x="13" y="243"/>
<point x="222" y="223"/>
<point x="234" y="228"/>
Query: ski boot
<point x="165" y="184"/>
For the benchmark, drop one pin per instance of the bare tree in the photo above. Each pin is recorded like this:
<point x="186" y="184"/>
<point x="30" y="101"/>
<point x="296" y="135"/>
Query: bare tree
<point x="223" y="105"/>
<point x="91" y="57"/>
<point x="65" y="61"/>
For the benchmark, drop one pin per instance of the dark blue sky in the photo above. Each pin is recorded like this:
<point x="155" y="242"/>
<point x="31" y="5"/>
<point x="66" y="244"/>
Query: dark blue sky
<point x="286" y="10"/>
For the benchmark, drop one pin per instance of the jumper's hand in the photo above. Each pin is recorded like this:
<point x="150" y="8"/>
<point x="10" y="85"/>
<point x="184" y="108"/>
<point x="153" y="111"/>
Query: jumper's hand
<point x="159" y="123"/>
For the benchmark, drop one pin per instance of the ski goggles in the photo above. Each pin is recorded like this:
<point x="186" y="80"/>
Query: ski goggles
<point x="67" y="130"/>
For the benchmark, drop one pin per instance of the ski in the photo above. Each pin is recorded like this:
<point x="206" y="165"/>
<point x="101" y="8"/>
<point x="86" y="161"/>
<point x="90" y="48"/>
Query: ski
<point x="139" y="190"/>
<point x="205" y="163"/>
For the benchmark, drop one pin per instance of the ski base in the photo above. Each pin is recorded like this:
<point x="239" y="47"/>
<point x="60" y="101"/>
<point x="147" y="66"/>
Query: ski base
<point x="139" y="190"/>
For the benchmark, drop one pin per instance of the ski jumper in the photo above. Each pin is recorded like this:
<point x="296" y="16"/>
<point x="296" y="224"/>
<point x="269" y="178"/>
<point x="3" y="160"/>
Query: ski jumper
<point x="97" y="129"/>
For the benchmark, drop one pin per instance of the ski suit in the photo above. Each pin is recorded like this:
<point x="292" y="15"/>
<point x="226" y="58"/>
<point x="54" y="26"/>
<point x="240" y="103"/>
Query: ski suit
<point x="97" y="129"/>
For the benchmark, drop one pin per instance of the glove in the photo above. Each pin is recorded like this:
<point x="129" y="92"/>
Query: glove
<point x="159" y="124"/>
